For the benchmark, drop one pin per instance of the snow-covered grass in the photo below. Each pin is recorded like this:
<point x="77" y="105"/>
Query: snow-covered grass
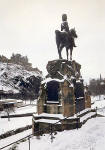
<point x="90" y="137"/>
<point x="14" y="138"/>
<point x="26" y="108"/>
<point x="14" y="123"/>
<point x="18" y="122"/>
<point x="100" y="104"/>
<point x="97" y="98"/>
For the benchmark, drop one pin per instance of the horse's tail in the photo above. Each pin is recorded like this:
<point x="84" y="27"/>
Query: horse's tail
<point x="58" y="35"/>
<point x="57" y="32"/>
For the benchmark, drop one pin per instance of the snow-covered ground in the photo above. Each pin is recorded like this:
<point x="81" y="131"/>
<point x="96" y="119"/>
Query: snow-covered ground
<point x="97" y="98"/>
<point x="90" y="137"/>
<point x="100" y="104"/>
<point x="18" y="122"/>
<point x="14" y="123"/>
<point x="14" y="138"/>
<point x="28" y="107"/>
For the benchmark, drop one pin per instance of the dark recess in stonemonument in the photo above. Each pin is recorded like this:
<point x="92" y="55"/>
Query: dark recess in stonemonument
<point x="52" y="91"/>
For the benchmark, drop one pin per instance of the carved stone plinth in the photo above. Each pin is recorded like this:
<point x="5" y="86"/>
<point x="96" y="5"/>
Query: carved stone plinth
<point x="61" y="67"/>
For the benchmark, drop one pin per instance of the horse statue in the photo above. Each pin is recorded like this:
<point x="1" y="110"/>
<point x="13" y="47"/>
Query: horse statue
<point x="63" y="39"/>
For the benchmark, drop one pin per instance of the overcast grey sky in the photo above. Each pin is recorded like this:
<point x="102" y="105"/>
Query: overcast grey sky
<point x="28" y="27"/>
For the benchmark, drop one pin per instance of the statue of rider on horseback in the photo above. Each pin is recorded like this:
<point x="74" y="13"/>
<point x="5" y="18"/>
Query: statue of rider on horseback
<point x="65" y="27"/>
<point x="65" y="38"/>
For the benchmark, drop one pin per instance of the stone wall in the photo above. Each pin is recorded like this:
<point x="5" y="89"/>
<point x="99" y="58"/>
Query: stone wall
<point x="87" y="101"/>
<point x="68" y="102"/>
<point x="41" y="99"/>
<point x="87" y="98"/>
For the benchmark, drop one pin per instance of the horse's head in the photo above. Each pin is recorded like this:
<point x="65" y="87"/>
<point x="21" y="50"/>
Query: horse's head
<point x="73" y="33"/>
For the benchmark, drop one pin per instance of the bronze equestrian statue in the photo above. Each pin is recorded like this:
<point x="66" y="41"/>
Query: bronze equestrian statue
<point x="65" y="38"/>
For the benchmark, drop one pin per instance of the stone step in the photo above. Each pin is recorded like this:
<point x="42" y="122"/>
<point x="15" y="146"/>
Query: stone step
<point x="84" y="112"/>
<point x="87" y="116"/>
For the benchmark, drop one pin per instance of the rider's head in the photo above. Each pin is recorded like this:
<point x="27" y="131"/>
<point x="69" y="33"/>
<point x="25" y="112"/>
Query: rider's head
<point x="64" y="17"/>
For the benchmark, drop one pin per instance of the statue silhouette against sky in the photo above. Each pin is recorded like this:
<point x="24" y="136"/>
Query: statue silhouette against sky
<point x="65" y="37"/>
<point x="65" y="27"/>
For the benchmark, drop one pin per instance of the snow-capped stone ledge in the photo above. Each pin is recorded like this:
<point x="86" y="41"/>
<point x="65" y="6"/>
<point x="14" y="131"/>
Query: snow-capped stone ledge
<point x="60" y="116"/>
<point x="50" y="79"/>
<point x="48" y="121"/>
<point x="84" y="111"/>
<point x="87" y="116"/>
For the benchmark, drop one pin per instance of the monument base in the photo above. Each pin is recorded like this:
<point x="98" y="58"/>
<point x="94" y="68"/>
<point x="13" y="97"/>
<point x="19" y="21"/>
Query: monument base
<point x="62" y="95"/>
<point x="44" y="122"/>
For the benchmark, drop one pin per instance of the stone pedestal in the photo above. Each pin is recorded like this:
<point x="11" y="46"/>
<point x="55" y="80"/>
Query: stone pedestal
<point x="59" y="68"/>
<point x="62" y="91"/>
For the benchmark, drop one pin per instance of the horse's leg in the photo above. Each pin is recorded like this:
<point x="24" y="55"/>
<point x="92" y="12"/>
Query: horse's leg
<point x="71" y="53"/>
<point x="58" y="45"/>
<point x="67" y="53"/>
<point x="59" y="53"/>
<point x="60" y="50"/>
<point x="60" y="57"/>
